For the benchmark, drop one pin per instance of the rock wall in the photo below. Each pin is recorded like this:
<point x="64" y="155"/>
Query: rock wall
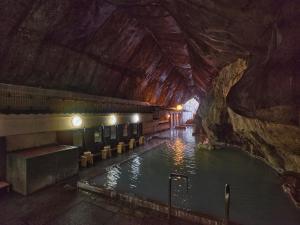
<point x="213" y="108"/>
<point x="165" y="52"/>
<point x="276" y="141"/>
<point x="160" y="51"/>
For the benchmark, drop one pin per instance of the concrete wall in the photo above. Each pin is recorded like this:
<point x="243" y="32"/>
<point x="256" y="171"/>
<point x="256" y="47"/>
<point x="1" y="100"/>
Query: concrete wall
<point x="31" y="170"/>
<point x="16" y="173"/>
<point x="2" y="158"/>
<point x="52" y="168"/>
<point x="22" y="99"/>
<point x="155" y="126"/>
<point x="149" y="127"/>
<point x="17" y="142"/>
<point x="39" y="123"/>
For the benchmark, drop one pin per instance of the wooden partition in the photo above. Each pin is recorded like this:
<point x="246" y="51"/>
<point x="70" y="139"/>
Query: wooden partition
<point x="124" y="133"/>
<point x="113" y="136"/>
<point x="98" y="139"/>
<point x="135" y="130"/>
<point x="106" y="135"/>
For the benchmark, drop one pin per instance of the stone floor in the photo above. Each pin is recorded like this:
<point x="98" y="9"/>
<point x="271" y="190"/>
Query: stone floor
<point x="63" y="204"/>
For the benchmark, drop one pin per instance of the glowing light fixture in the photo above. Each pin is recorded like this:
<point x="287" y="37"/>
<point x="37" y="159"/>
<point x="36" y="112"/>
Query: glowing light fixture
<point x="113" y="119"/>
<point x="135" y="118"/>
<point x="179" y="107"/>
<point x="76" y="121"/>
<point x="168" y="116"/>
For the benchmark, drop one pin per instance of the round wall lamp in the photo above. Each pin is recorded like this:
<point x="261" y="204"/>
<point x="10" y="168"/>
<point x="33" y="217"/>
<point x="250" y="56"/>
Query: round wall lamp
<point x="76" y="121"/>
<point x="179" y="107"/>
<point x="113" y="119"/>
<point x="135" y="118"/>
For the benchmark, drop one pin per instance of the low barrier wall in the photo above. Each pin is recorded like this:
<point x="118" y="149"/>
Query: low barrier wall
<point x="132" y="200"/>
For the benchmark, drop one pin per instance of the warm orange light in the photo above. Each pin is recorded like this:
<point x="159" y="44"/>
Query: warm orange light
<point x="179" y="107"/>
<point x="179" y="151"/>
<point x="168" y="116"/>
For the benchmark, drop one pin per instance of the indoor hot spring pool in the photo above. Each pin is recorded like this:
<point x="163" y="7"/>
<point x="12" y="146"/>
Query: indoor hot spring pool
<point x="256" y="194"/>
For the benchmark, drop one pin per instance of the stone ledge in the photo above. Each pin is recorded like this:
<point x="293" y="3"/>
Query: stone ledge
<point x="135" y="201"/>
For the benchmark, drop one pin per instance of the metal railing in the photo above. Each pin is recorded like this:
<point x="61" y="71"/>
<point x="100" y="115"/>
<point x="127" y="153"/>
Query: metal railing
<point x="227" y="203"/>
<point x="226" y="196"/>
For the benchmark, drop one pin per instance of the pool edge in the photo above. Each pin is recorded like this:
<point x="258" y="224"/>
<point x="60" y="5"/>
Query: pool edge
<point x="135" y="201"/>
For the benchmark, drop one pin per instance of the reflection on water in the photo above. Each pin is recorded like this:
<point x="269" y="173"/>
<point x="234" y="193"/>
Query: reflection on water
<point x="113" y="174"/>
<point x="135" y="171"/>
<point x="257" y="198"/>
<point x="178" y="147"/>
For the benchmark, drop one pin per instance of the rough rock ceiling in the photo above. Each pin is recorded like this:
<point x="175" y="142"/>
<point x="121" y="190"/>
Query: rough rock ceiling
<point x="163" y="51"/>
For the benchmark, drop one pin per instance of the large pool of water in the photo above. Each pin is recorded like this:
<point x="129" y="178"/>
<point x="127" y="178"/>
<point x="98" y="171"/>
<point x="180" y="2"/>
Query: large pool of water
<point x="256" y="194"/>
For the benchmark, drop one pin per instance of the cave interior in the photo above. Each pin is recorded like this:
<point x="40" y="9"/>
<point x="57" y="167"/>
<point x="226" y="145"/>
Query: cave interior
<point x="132" y="63"/>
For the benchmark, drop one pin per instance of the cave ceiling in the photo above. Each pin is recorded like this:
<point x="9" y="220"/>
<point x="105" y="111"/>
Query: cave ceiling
<point x="163" y="52"/>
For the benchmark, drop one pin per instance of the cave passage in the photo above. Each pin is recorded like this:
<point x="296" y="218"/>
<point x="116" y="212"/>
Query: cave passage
<point x="86" y="85"/>
<point x="189" y="110"/>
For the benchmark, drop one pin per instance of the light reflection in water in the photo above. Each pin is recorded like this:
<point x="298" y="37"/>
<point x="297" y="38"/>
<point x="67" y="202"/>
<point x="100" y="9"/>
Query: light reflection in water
<point x="254" y="185"/>
<point x="135" y="170"/>
<point x="178" y="148"/>
<point x="113" y="174"/>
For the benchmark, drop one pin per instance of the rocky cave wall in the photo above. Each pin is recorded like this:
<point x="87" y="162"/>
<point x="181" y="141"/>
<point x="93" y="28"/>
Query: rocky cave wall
<point x="277" y="142"/>
<point x="166" y="51"/>
<point x="160" y="51"/>
<point x="127" y="49"/>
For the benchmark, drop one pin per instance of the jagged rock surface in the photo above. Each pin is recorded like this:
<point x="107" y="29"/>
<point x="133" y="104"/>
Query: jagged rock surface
<point x="164" y="52"/>
<point x="213" y="109"/>
<point x="276" y="142"/>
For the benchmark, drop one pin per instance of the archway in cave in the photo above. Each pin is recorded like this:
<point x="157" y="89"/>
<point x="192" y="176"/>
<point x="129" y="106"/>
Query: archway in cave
<point x="189" y="110"/>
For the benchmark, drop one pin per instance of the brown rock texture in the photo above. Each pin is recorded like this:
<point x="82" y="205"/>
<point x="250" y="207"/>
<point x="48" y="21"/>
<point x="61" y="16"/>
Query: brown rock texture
<point x="165" y="52"/>
<point x="291" y="186"/>
<point x="213" y="109"/>
<point x="277" y="142"/>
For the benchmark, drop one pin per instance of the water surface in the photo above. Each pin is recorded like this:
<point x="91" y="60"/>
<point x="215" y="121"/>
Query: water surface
<point x="256" y="194"/>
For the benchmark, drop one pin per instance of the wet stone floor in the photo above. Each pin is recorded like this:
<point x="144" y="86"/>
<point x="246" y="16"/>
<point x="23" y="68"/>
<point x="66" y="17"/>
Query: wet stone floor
<point x="63" y="204"/>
